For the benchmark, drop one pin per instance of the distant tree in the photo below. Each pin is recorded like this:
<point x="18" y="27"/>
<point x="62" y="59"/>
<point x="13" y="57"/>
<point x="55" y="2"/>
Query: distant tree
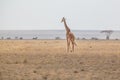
<point x="16" y="37"/>
<point x="57" y="38"/>
<point x="107" y="33"/>
<point x="116" y="39"/>
<point x="94" y="38"/>
<point x="83" y="38"/>
<point x="78" y="38"/>
<point x="8" y="38"/>
<point x="2" y="37"/>
<point x="35" y="38"/>
<point x="21" y="38"/>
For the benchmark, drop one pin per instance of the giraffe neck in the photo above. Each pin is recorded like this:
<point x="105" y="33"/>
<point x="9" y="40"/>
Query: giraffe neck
<point x="66" y="27"/>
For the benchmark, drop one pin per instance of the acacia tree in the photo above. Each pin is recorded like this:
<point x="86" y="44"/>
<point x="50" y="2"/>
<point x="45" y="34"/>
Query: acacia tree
<point x="107" y="33"/>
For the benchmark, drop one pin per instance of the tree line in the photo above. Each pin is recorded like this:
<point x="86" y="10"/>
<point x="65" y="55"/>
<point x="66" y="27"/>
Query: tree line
<point x="107" y="33"/>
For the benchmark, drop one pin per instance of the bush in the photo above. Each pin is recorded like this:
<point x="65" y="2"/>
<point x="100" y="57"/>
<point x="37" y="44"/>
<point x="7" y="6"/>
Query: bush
<point x="35" y="38"/>
<point x="2" y="37"/>
<point x="78" y="38"/>
<point x="94" y="38"/>
<point x="8" y="38"/>
<point x="21" y="38"/>
<point x="83" y="38"/>
<point x="57" y="38"/>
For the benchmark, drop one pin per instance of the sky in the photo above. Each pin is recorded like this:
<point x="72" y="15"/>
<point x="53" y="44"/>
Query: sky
<point x="47" y="14"/>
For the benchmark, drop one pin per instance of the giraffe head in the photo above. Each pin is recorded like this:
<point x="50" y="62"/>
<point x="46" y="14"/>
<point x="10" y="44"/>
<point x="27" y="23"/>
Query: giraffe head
<point x="63" y="19"/>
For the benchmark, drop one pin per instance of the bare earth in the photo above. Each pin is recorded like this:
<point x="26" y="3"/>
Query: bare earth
<point x="48" y="60"/>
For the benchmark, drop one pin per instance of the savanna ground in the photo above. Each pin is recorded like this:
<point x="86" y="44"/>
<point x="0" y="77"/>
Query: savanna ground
<point x="48" y="60"/>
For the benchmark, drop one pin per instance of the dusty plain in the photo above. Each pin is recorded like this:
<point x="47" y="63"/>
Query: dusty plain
<point x="48" y="60"/>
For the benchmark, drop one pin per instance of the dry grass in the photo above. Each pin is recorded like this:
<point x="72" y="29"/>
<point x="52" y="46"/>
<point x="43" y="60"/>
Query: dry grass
<point x="48" y="60"/>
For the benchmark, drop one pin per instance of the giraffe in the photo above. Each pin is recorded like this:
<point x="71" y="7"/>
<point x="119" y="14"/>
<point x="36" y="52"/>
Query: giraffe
<point x="69" y="36"/>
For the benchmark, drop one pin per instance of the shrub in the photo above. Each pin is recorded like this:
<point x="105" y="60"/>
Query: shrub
<point x="57" y="38"/>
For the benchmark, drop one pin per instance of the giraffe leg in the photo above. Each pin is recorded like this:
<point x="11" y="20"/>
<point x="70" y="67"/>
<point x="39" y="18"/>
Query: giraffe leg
<point x="72" y="46"/>
<point x="68" y="45"/>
